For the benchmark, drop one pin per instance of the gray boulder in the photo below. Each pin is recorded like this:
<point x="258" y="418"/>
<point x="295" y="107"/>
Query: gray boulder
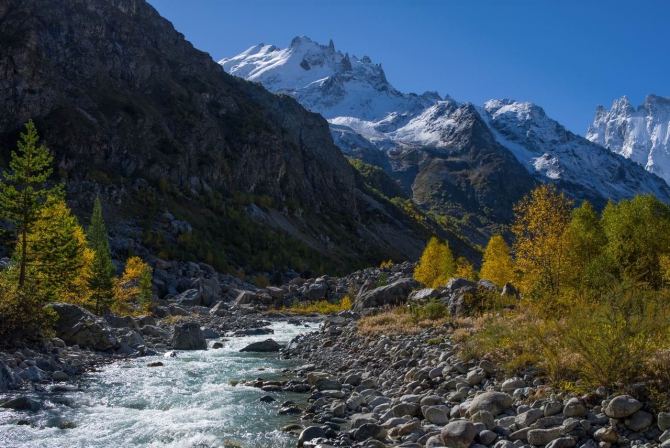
<point x="209" y="333"/>
<point x="246" y="298"/>
<point x="493" y="402"/>
<point x="394" y="294"/>
<point x="268" y="345"/>
<point x="509" y="291"/>
<point x="76" y="326"/>
<point x="210" y="290"/>
<point x="8" y="379"/>
<point x="459" y="434"/>
<point x="122" y="322"/>
<point x="622" y="406"/>
<point x="131" y="338"/>
<point x="458" y="294"/>
<point x="188" y="336"/>
<point x="190" y="297"/>
<point x="315" y="291"/>
<point x="311" y="433"/>
<point x="423" y="295"/>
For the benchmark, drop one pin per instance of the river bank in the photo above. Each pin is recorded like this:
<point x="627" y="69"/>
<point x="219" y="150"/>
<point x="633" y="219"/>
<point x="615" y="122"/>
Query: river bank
<point x="412" y="391"/>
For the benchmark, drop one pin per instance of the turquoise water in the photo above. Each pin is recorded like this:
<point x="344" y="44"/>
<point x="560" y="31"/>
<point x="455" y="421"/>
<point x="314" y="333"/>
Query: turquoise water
<point x="187" y="403"/>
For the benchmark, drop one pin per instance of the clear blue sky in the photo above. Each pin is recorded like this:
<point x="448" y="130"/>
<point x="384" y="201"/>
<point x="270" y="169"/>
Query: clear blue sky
<point x="568" y="56"/>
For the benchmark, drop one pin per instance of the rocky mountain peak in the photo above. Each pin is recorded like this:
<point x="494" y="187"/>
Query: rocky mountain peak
<point x="642" y="134"/>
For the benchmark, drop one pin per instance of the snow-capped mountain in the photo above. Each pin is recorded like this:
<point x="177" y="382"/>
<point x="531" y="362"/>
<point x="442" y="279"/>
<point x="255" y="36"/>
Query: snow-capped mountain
<point x="642" y="134"/>
<point x="442" y="151"/>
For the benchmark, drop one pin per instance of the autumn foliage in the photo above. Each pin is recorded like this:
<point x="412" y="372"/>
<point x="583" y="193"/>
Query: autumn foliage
<point x="436" y="265"/>
<point x="54" y="259"/>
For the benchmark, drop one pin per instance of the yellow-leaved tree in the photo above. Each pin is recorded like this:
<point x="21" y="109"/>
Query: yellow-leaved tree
<point x="498" y="265"/>
<point x="132" y="292"/>
<point x="541" y="219"/>
<point x="436" y="265"/>
<point x="465" y="269"/>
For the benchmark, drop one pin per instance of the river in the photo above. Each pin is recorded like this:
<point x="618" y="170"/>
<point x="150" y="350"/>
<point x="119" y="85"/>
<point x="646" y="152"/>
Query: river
<point x="189" y="402"/>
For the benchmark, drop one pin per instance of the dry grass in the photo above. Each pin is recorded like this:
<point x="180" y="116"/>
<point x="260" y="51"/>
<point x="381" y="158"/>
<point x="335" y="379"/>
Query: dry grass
<point x="397" y="321"/>
<point x="320" y="307"/>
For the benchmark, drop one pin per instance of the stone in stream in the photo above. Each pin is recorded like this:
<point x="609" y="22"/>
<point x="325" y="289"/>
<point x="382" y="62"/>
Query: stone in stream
<point x="155" y="364"/>
<point x="217" y="345"/>
<point x="60" y="376"/>
<point x="21" y="403"/>
<point x="313" y="432"/>
<point x="267" y="399"/>
<point x="268" y="345"/>
<point x="188" y="336"/>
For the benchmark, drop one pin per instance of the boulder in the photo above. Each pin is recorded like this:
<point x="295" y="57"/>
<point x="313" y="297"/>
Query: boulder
<point x="131" y="338"/>
<point x="493" y="402"/>
<point x="459" y="434"/>
<point x="393" y="294"/>
<point x="315" y="291"/>
<point x="458" y="294"/>
<point x="275" y="293"/>
<point x="622" y="406"/>
<point x="423" y="295"/>
<point x="190" y="297"/>
<point x="8" y="379"/>
<point x="311" y="433"/>
<point x="151" y="330"/>
<point x="122" y="322"/>
<point x="220" y="309"/>
<point x="246" y="298"/>
<point x="210" y="290"/>
<point x="268" y="345"/>
<point x="209" y="333"/>
<point x="77" y="326"/>
<point x="21" y="403"/>
<point x="188" y="336"/>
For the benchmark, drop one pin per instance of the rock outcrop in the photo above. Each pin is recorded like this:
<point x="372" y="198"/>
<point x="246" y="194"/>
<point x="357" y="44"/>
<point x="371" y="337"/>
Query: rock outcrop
<point x="77" y="326"/>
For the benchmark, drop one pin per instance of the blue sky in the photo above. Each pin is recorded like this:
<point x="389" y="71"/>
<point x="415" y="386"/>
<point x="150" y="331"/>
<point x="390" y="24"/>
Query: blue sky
<point x="567" y="56"/>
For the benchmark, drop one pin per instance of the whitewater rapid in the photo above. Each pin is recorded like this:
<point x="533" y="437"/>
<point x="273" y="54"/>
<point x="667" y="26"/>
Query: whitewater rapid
<point x="189" y="402"/>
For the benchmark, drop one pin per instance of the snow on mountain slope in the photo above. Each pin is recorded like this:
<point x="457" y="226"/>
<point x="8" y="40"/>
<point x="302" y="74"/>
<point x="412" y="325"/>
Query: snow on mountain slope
<point x="327" y="81"/>
<point x="373" y="121"/>
<point x="642" y="134"/>
<point x="548" y="150"/>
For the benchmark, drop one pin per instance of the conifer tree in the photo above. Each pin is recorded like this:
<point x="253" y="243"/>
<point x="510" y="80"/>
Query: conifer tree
<point x="498" y="265"/>
<point x="102" y="270"/>
<point x="465" y="269"/>
<point x="23" y="193"/>
<point x="58" y="245"/>
<point x="436" y="265"/>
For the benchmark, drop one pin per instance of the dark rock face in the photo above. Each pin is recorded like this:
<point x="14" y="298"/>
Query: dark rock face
<point x="129" y="107"/>
<point x="269" y="345"/>
<point x="114" y="86"/>
<point x="76" y="326"/>
<point x="189" y="336"/>
<point x="392" y="294"/>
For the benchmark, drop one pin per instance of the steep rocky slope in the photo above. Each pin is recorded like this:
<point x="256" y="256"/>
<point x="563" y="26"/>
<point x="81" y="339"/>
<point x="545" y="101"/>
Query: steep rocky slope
<point x="641" y="134"/>
<point x="133" y="111"/>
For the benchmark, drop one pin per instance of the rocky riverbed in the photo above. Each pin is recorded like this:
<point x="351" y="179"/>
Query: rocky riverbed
<point x="412" y="391"/>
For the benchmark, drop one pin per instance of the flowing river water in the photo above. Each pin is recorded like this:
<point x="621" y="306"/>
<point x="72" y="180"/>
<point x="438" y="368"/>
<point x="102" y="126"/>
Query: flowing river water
<point x="189" y="402"/>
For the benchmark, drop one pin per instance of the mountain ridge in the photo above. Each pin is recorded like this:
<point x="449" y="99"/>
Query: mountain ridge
<point x="371" y="120"/>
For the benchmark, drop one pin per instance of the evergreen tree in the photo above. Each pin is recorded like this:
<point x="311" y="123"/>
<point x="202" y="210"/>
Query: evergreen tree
<point x="58" y="245"/>
<point x="465" y="269"/>
<point x="102" y="270"/>
<point x="23" y="194"/>
<point x="498" y="265"/>
<point x="436" y="265"/>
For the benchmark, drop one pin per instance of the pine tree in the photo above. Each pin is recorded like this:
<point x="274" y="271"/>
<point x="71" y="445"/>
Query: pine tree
<point x="436" y="265"/>
<point x="101" y="272"/>
<point x="498" y="265"/>
<point x="58" y="245"/>
<point x="23" y="195"/>
<point x="133" y="289"/>
<point x="465" y="269"/>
